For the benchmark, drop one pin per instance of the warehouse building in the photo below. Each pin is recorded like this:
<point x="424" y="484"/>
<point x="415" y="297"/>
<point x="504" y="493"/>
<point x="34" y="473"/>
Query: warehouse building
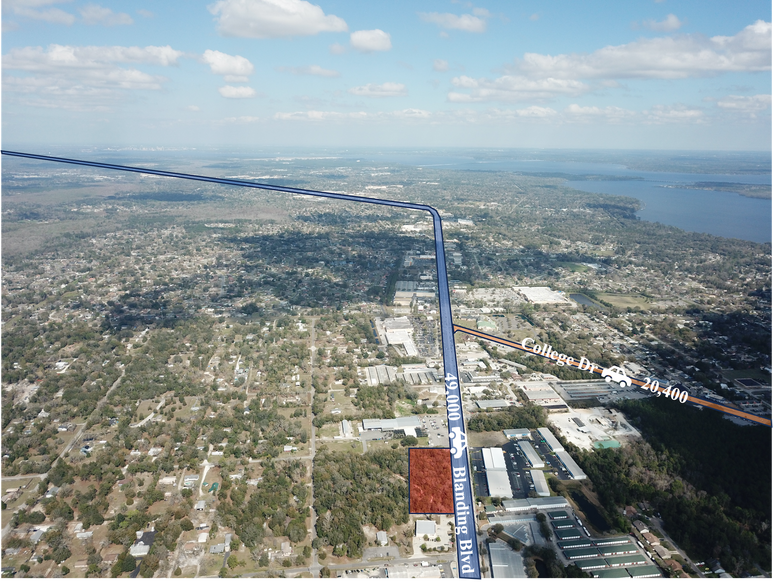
<point x="591" y="564"/>
<point x="625" y="560"/>
<point x="496" y="472"/>
<point x="411" y="422"/>
<point x="648" y="571"/>
<point x="540" y="483"/>
<point x="562" y="524"/>
<point x="584" y="390"/>
<point x="617" y="549"/>
<point x="611" y="541"/>
<point x="611" y="573"/>
<point x="574" y="470"/>
<point x="531" y="454"/>
<point x="567" y="534"/>
<point x="558" y="515"/>
<point x="550" y="439"/>
<point x="424" y="527"/>
<point x="517" y="433"/>
<point x="584" y="553"/>
<point x="527" y="504"/>
<point x="575" y="544"/>
<point x="484" y="404"/>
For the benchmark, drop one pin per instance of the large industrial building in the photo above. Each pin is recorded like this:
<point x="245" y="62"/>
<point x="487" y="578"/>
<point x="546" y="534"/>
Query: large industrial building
<point x="517" y="433"/>
<point x="540" y="483"/>
<point x="527" y="504"/>
<point x="531" y="454"/>
<point x="574" y="470"/>
<point x="584" y="390"/>
<point x="411" y="422"/>
<point x="496" y="472"/>
<point x="550" y="439"/>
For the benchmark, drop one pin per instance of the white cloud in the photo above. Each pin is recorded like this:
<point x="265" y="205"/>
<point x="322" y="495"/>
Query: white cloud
<point x="32" y="9"/>
<point x="534" y="16"/>
<point x="407" y="114"/>
<point x="319" y="115"/>
<point x="235" y="68"/>
<point x="668" y="24"/>
<point x="446" y="20"/>
<point x="367" y="41"/>
<point x="574" y="114"/>
<point x="682" y="56"/>
<point x="513" y="89"/>
<point x="268" y="19"/>
<point x="83" y="78"/>
<point x="86" y="58"/>
<point x="311" y="70"/>
<point x="758" y="102"/>
<point x="337" y="49"/>
<point x="193" y="108"/>
<point x="675" y="114"/>
<point x="145" y="13"/>
<point x="749" y="105"/>
<point x="386" y="90"/>
<point x="94" y="14"/>
<point x="237" y="92"/>
<point x="440" y="65"/>
<point x="241" y="119"/>
<point x="608" y="114"/>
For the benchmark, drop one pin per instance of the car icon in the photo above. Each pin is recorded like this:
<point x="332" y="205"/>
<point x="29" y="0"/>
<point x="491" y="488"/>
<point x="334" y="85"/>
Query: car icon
<point x="616" y="373"/>
<point x="458" y="441"/>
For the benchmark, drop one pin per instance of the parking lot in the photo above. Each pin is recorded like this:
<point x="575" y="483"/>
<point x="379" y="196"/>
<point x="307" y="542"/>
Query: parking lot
<point x="517" y="468"/>
<point x="437" y="431"/>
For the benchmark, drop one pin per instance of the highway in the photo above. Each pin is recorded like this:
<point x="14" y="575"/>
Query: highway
<point x="467" y="544"/>
<point x="599" y="369"/>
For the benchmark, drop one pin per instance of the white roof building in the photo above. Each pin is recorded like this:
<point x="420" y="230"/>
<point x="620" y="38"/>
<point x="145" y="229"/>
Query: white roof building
<point x="550" y="439"/>
<point x="424" y="527"/>
<point x="540" y="483"/>
<point x="381" y="537"/>
<point x="571" y="465"/>
<point x="496" y="472"/>
<point x="531" y="454"/>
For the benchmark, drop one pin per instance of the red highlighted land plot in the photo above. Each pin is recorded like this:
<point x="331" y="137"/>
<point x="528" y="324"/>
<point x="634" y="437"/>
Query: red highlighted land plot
<point x="431" y="490"/>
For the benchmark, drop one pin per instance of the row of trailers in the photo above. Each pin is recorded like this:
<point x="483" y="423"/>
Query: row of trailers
<point x="613" y="557"/>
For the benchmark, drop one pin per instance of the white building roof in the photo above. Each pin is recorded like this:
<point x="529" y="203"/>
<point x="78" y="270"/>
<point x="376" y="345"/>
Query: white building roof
<point x="516" y="433"/>
<point x="391" y="424"/>
<point x="499" y="483"/>
<point x="424" y="527"/>
<point x="550" y="438"/>
<point x="493" y="458"/>
<point x="525" y="504"/>
<point x="571" y="465"/>
<point x="540" y="483"/>
<point x="531" y="454"/>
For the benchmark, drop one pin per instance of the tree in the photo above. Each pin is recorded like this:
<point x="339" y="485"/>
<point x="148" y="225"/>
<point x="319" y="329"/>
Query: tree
<point x="128" y="564"/>
<point x="498" y="528"/>
<point x="263" y="561"/>
<point x="178" y="571"/>
<point x="325" y="572"/>
<point x="232" y="561"/>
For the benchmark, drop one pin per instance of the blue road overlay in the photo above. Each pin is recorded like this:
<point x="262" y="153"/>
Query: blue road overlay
<point x="464" y="513"/>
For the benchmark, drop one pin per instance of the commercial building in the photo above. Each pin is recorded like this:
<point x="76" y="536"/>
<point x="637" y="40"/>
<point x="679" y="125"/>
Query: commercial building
<point x="583" y="553"/>
<point x="527" y="504"/>
<point x="591" y="564"/>
<point x="562" y="524"/>
<point x="611" y="573"/>
<point x="531" y="454"/>
<point x="558" y="515"/>
<point x="424" y="527"/>
<point x="575" y="544"/>
<point x="483" y="404"/>
<point x="550" y="439"/>
<point x="625" y="560"/>
<point x="542" y="295"/>
<point x="584" y="390"/>
<point x="612" y="541"/>
<point x="381" y="537"/>
<point x="412" y="422"/>
<point x="574" y="470"/>
<point x="540" y="483"/>
<point x="505" y="563"/>
<point x="648" y="571"/>
<point x="517" y="433"/>
<point x="567" y="534"/>
<point x="496" y="472"/>
<point x="610" y="550"/>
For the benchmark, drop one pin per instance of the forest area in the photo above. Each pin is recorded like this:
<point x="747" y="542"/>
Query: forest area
<point x="712" y="490"/>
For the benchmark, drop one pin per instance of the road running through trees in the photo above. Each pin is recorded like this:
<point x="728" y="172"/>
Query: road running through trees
<point x="600" y="370"/>
<point x="464" y="512"/>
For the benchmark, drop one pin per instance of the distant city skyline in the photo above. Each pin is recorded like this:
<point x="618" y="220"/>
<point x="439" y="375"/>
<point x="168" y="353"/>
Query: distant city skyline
<point x="646" y="74"/>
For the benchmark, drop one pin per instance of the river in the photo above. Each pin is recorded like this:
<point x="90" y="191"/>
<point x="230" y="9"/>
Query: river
<point x="663" y="197"/>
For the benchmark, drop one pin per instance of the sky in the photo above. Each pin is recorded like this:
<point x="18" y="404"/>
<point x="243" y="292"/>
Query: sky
<point x="639" y="74"/>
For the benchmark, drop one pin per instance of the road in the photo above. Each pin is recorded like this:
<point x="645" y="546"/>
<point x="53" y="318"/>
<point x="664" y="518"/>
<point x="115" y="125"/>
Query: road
<point x="315" y="566"/>
<point x="468" y="559"/>
<point x="599" y="370"/>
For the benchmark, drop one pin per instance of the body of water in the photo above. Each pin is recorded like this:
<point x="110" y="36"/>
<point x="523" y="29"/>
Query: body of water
<point x="584" y="300"/>
<point x="724" y="214"/>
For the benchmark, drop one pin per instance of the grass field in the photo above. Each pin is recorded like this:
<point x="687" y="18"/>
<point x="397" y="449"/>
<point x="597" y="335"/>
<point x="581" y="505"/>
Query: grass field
<point x="486" y="439"/>
<point x="345" y="446"/>
<point x="575" y="267"/>
<point x="625" y="300"/>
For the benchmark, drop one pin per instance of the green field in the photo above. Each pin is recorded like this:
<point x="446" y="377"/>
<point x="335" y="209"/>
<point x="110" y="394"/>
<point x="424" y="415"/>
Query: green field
<point x="625" y="300"/>
<point x="486" y="439"/>
<point x="575" y="267"/>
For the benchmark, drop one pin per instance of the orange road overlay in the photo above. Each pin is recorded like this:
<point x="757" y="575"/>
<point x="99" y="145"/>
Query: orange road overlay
<point x="596" y="369"/>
